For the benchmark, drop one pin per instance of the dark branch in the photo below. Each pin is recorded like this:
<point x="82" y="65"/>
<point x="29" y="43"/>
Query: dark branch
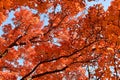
<point x="63" y="69"/>
<point x="49" y="72"/>
<point x="88" y="72"/>
<point x="100" y="76"/>
<point x="52" y="27"/>
<point x="115" y="67"/>
<point x="13" y="43"/>
<point x="66" y="56"/>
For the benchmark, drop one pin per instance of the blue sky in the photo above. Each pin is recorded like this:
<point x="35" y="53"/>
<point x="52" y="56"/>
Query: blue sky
<point x="105" y="3"/>
<point x="45" y="17"/>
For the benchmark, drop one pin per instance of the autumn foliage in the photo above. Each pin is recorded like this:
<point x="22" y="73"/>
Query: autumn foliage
<point x="59" y="40"/>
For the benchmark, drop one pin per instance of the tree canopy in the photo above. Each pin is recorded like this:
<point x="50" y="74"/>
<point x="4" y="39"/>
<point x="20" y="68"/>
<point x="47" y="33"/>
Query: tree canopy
<point x="59" y="40"/>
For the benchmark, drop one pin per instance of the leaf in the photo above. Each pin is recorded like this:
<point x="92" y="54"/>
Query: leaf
<point x="72" y="41"/>
<point x="2" y="18"/>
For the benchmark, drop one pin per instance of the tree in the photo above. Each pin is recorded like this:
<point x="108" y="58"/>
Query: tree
<point x="69" y="47"/>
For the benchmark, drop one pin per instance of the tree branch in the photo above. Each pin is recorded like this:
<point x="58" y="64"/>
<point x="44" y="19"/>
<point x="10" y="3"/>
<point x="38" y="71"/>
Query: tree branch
<point x="115" y="67"/>
<point x="13" y="44"/>
<point x="66" y="56"/>
<point x="64" y="68"/>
